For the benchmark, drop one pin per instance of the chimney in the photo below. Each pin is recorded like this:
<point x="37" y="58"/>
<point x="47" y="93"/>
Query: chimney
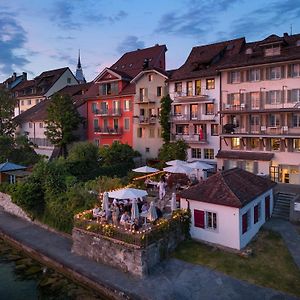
<point x="24" y="76"/>
<point x="146" y="64"/>
<point x="285" y="34"/>
<point x="14" y="75"/>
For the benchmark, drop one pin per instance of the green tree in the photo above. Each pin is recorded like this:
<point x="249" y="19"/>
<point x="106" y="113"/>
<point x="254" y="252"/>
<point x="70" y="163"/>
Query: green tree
<point x="176" y="150"/>
<point x="164" y="119"/>
<point x="62" y="120"/>
<point x="7" y="107"/>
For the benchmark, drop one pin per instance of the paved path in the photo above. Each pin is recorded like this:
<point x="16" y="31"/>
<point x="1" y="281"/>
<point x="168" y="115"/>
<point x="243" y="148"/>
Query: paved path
<point x="173" y="279"/>
<point x="289" y="234"/>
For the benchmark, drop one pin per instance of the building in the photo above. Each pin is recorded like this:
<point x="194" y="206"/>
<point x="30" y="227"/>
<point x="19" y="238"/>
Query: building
<point x="30" y="92"/>
<point x="111" y="97"/>
<point x="11" y="173"/>
<point x="150" y="86"/>
<point x="229" y="207"/>
<point x="13" y="81"/>
<point x="79" y="73"/>
<point x="260" y="108"/>
<point x="195" y="91"/>
<point x="32" y="122"/>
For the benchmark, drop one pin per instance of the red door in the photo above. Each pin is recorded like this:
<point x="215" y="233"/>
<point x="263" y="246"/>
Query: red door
<point x="267" y="208"/>
<point x="199" y="218"/>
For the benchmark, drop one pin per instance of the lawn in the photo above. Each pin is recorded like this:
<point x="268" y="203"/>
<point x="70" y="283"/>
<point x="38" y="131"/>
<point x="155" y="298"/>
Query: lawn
<point x="271" y="265"/>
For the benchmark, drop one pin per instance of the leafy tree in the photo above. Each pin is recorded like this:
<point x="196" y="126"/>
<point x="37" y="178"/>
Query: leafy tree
<point x="7" y="107"/>
<point x="164" y="120"/>
<point x="62" y="120"/>
<point x="176" y="150"/>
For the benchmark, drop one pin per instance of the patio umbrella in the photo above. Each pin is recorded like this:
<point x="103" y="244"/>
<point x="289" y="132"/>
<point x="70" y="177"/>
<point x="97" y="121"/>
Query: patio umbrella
<point x="145" y="169"/>
<point x="173" y="202"/>
<point x="105" y="202"/>
<point x="127" y="193"/>
<point x="176" y="162"/>
<point x="182" y="169"/>
<point x="134" y="210"/>
<point x="199" y="165"/>
<point x="152" y="214"/>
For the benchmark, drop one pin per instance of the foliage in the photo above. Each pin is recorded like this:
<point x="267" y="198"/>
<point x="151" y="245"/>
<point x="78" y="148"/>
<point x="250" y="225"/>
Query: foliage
<point x="7" y="107"/>
<point x="62" y="120"/>
<point x="164" y="119"/>
<point x="104" y="183"/>
<point x="175" y="150"/>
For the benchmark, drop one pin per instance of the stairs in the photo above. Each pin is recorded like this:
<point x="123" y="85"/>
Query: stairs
<point x="282" y="205"/>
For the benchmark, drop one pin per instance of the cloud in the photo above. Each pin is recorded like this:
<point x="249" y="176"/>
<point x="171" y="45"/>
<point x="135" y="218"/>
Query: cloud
<point x="130" y="43"/>
<point x="66" y="58"/>
<point x="12" y="38"/>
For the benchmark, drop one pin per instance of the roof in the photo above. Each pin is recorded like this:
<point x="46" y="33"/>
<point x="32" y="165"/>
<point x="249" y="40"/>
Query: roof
<point x="155" y="70"/>
<point x="246" y="155"/>
<point x="204" y="60"/>
<point x="8" y="166"/>
<point x="234" y="188"/>
<point x="290" y="50"/>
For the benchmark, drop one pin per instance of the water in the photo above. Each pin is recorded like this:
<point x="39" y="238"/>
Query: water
<point x="22" y="278"/>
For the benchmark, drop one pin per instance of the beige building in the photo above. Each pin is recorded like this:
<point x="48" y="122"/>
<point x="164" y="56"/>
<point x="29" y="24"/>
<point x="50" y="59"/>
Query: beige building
<point x="150" y="88"/>
<point x="260" y="109"/>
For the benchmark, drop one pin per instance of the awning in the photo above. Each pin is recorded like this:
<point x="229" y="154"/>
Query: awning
<point x="245" y="155"/>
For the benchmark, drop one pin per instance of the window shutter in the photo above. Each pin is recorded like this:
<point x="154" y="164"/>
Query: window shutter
<point x="282" y="145"/>
<point x="268" y="73"/>
<point x="290" y="145"/>
<point x="248" y="75"/>
<point x="268" y="144"/>
<point x="255" y="214"/>
<point x="228" y="77"/>
<point x="282" y="72"/>
<point x="262" y="74"/>
<point x="242" y="76"/>
<point x="289" y="71"/>
<point x="199" y="218"/>
<point x="248" y="100"/>
<point x="244" y="223"/>
<point x="268" y="98"/>
<point x="289" y="96"/>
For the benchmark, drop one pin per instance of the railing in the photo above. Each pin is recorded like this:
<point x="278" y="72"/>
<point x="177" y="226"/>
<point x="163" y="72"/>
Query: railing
<point x="108" y="112"/>
<point x="189" y="117"/>
<point x="41" y="142"/>
<point x="190" y="138"/>
<point x="107" y="130"/>
<point x="262" y="130"/>
<point x="146" y="120"/>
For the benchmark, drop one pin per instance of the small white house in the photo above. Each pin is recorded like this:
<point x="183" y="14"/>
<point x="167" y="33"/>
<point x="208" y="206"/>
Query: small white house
<point x="229" y="207"/>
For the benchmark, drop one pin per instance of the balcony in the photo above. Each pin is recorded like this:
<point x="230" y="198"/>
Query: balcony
<point x="142" y="120"/>
<point x="107" y="131"/>
<point x="183" y="97"/>
<point x="187" y="117"/>
<point x="190" y="138"/>
<point x="108" y="112"/>
<point x="146" y="100"/>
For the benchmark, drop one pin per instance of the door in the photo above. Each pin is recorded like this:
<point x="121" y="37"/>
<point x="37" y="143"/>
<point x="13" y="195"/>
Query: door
<point x="267" y="208"/>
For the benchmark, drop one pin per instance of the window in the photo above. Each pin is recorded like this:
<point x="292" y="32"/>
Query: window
<point x="189" y="88"/>
<point x="257" y="213"/>
<point x="68" y="80"/>
<point x="194" y="111"/>
<point x="254" y="75"/>
<point x="30" y="125"/>
<point x="159" y="91"/>
<point x="150" y="77"/>
<point x="296" y="120"/>
<point x="97" y="142"/>
<point x="296" y="145"/>
<point x="177" y="110"/>
<point x="96" y="124"/>
<point x="151" y="133"/>
<point x="41" y="125"/>
<point x="235" y="77"/>
<point x="211" y="220"/>
<point x="274" y="97"/>
<point x="126" y="105"/>
<point x="126" y="124"/>
<point x="196" y="153"/>
<point x="209" y="109"/>
<point x="272" y="50"/>
<point x="274" y="120"/>
<point x="295" y="72"/>
<point x="275" y="73"/>
<point x="294" y="95"/>
<point x="110" y="88"/>
<point x="116" y="124"/>
<point x="235" y="143"/>
<point x="147" y="150"/>
<point x="255" y="100"/>
<point x="197" y="87"/>
<point x="94" y="108"/>
<point x="254" y="143"/>
<point x="178" y="87"/>
<point x="275" y="144"/>
<point x="210" y="84"/>
<point x="139" y="132"/>
<point x="246" y="221"/>
<point x="116" y="107"/>
<point x="199" y="218"/>
<point x="143" y="94"/>
<point x="28" y="102"/>
<point x="209" y="153"/>
<point x="214" y="129"/>
<point x="105" y="124"/>
<point x="104" y="108"/>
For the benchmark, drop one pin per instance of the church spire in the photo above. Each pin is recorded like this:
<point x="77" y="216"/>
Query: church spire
<point x="79" y="74"/>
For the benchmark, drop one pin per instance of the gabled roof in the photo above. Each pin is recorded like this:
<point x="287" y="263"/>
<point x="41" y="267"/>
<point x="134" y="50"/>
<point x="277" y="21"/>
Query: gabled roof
<point x="8" y="166"/>
<point x="204" y="60"/>
<point x="234" y="188"/>
<point x="155" y="70"/>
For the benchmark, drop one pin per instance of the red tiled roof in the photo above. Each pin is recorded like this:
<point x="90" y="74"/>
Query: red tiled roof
<point x="246" y="155"/>
<point x="234" y="188"/>
<point x="204" y="60"/>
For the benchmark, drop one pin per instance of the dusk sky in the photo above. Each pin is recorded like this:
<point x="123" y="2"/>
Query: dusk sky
<point x="38" y="35"/>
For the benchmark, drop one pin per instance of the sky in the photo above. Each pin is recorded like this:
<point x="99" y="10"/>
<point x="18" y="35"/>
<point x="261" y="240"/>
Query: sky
<point x="40" y="35"/>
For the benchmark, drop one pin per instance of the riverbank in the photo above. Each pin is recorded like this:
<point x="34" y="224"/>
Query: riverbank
<point x="173" y="279"/>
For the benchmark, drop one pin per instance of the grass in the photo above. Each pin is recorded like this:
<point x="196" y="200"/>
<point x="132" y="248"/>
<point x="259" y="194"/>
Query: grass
<point x="271" y="264"/>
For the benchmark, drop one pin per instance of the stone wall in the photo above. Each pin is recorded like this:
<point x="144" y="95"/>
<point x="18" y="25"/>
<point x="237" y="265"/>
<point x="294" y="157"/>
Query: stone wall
<point x="9" y="206"/>
<point x="126" y="257"/>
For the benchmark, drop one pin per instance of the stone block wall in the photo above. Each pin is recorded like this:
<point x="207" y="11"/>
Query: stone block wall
<point x="126" y="257"/>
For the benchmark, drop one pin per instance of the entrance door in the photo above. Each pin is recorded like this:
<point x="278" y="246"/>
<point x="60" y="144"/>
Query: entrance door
<point x="267" y="208"/>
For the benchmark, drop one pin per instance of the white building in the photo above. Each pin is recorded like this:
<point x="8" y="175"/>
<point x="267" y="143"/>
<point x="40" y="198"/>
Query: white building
<point x="229" y="207"/>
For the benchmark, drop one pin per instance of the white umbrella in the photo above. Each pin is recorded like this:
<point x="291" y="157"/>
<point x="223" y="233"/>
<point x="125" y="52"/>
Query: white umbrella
<point x="152" y="214"/>
<point x="134" y="210"/>
<point x="176" y="162"/>
<point x="145" y="169"/>
<point x="199" y="165"/>
<point x="105" y="202"/>
<point x="173" y="202"/>
<point x="182" y="169"/>
<point x="127" y="193"/>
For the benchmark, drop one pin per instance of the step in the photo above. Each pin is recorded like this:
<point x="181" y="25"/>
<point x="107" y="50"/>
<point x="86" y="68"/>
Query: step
<point x="281" y="202"/>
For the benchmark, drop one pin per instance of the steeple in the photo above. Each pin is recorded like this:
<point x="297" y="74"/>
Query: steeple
<point x="79" y="74"/>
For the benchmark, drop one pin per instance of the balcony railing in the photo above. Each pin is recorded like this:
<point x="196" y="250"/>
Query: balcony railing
<point x="108" y="112"/>
<point x="107" y="130"/>
<point x="190" y="138"/>
<point x="192" y="117"/>
<point x="142" y="120"/>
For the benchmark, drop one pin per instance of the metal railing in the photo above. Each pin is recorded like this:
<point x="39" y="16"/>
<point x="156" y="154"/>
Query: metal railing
<point x="107" y="130"/>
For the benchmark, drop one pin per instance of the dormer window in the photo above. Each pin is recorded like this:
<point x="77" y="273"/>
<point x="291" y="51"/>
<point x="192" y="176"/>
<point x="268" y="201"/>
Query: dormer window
<point x="110" y="88"/>
<point x="272" y="50"/>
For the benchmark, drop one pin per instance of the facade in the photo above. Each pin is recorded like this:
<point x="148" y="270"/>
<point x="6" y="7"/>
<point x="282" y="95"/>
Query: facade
<point x="150" y="87"/>
<point x="111" y="97"/>
<point x="229" y="208"/>
<point x="13" y="81"/>
<point x="195" y="91"/>
<point x="260" y="109"/>
<point x="31" y="92"/>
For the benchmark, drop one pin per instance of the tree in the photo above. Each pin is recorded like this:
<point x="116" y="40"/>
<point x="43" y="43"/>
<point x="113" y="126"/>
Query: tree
<point x="164" y="120"/>
<point x="7" y="107"/>
<point x="176" y="150"/>
<point x="62" y="120"/>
